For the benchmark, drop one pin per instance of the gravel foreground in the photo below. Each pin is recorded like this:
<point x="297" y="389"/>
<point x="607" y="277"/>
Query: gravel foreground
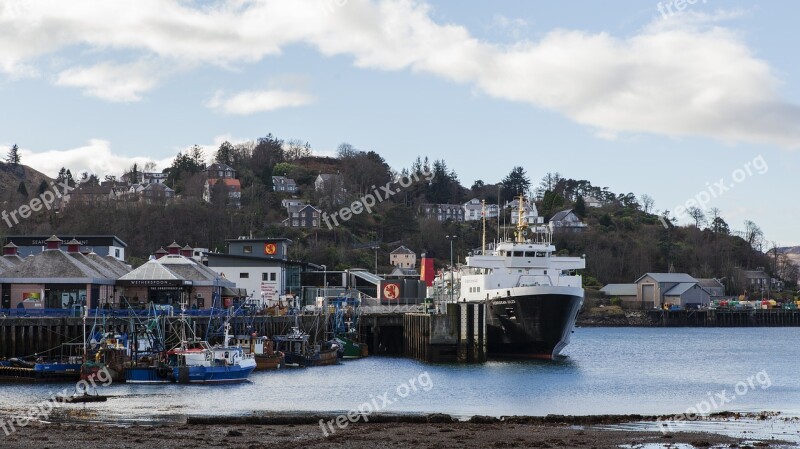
<point x="357" y="435"/>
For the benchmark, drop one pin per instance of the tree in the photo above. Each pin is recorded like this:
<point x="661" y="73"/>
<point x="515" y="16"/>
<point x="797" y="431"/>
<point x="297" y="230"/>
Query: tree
<point x="43" y="186"/>
<point x="22" y="190"/>
<point x="647" y="203"/>
<point x="296" y="149"/>
<point x="224" y="154"/>
<point x="580" y="207"/>
<point x="548" y="183"/>
<point x="516" y="183"/>
<point x="13" y="157"/>
<point x="697" y="215"/>
<point x="753" y="235"/>
<point x="718" y="226"/>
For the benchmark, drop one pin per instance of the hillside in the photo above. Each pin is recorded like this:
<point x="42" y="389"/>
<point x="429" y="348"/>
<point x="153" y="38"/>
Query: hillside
<point x="10" y="178"/>
<point x="621" y="241"/>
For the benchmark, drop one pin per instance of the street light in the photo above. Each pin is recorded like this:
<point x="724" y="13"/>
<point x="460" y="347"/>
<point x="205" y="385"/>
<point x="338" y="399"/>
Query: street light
<point x="451" y="238"/>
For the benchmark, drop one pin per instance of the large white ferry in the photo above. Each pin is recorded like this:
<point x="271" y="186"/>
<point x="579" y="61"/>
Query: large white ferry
<point x="532" y="296"/>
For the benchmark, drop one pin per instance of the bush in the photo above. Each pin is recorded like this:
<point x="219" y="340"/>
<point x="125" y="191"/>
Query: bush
<point x="616" y="301"/>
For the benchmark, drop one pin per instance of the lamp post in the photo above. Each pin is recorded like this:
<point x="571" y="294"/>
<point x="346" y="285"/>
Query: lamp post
<point x="451" y="238"/>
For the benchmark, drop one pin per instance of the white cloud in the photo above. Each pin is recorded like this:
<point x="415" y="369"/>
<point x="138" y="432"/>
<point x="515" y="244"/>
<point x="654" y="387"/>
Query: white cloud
<point x="98" y="157"/>
<point x="112" y="82"/>
<point x="95" y="157"/>
<point x="250" y="102"/>
<point x="686" y="75"/>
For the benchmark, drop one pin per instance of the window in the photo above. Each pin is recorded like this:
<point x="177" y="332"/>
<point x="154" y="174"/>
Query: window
<point x="116" y="253"/>
<point x="518" y="253"/>
<point x="247" y="249"/>
<point x="272" y="276"/>
<point x="244" y="275"/>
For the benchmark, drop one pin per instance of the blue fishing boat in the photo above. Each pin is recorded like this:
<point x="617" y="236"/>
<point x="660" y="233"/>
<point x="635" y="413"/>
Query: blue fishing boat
<point x="196" y="361"/>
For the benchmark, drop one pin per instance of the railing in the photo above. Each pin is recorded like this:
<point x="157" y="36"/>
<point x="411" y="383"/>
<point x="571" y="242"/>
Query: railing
<point x="122" y="313"/>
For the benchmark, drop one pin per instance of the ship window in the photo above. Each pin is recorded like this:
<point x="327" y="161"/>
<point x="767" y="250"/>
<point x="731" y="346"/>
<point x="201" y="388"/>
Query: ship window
<point x="518" y="253"/>
<point x="541" y="254"/>
<point x="530" y="254"/>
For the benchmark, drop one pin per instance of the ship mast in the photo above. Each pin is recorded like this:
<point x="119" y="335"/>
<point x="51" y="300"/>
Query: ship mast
<point x="522" y="225"/>
<point x="483" y="219"/>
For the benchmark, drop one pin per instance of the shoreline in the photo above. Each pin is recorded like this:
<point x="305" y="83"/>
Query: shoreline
<point x="304" y="430"/>
<point x="435" y="430"/>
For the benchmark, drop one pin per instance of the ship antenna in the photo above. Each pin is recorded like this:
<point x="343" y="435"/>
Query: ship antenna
<point x="483" y="219"/>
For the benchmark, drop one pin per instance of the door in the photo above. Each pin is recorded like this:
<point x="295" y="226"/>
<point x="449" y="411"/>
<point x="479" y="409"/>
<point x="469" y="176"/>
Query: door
<point x="6" y="303"/>
<point x="649" y="296"/>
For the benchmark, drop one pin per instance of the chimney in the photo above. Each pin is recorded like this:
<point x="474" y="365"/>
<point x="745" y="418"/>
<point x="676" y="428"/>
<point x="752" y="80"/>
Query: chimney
<point x="10" y="249"/>
<point x="174" y="248"/>
<point x="186" y="251"/>
<point x="53" y="243"/>
<point x="73" y="246"/>
<point x="161" y="253"/>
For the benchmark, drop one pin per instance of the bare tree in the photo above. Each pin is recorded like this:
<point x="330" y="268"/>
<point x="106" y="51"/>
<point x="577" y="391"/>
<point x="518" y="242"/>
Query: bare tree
<point x="647" y="203"/>
<point x="697" y="215"/>
<point x="753" y="235"/>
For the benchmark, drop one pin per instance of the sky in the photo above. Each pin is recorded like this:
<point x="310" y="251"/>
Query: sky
<point x="694" y="103"/>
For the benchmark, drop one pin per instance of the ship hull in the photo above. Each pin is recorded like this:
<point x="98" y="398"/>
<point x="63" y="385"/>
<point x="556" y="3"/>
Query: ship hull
<point x="534" y="324"/>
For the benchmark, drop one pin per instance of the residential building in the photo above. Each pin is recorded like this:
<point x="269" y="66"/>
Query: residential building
<point x="156" y="193"/>
<point x="284" y="184"/>
<point x="153" y="177"/>
<point x="591" y="201"/>
<point x="328" y="181"/>
<point x="566" y="221"/>
<point x="303" y="216"/>
<point x="230" y="185"/>
<point x="473" y="210"/>
<point x="286" y="202"/>
<point x="443" y="212"/>
<point x="403" y="257"/>
<point x="529" y="212"/>
<point x="218" y="170"/>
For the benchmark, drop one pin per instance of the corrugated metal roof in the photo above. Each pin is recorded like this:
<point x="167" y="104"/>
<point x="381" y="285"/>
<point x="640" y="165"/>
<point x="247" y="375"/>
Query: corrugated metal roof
<point x="680" y="289"/>
<point x="620" y="289"/>
<point x="669" y="277"/>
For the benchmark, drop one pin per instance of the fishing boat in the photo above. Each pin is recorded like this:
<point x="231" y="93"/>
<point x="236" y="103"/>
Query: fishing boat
<point x="263" y="350"/>
<point x="196" y="361"/>
<point x="345" y="328"/>
<point x="41" y="370"/>
<point x="299" y="352"/>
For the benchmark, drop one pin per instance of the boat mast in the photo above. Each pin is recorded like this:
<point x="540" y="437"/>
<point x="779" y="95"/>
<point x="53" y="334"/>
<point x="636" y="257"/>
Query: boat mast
<point x="483" y="219"/>
<point x="522" y="225"/>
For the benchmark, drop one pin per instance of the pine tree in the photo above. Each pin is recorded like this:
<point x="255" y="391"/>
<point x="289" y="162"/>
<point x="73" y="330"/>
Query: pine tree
<point x="13" y="155"/>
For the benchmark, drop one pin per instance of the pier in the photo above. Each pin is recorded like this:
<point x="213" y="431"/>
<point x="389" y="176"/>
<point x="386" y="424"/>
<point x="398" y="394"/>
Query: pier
<point x="459" y="336"/>
<point x="725" y="318"/>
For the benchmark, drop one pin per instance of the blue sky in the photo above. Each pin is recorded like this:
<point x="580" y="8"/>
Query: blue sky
<point x="614" y="92"/>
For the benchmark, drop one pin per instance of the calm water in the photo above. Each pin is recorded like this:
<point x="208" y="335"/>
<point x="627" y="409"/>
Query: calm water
<point x="604" y="371"/>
